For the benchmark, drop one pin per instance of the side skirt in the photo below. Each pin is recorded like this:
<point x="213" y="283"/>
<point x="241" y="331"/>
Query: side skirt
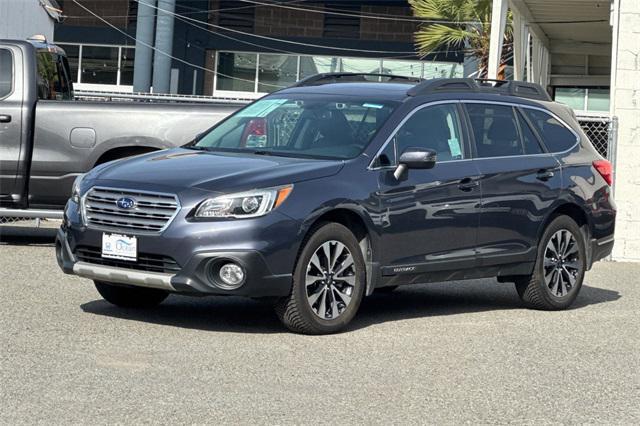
<point x="402" y="275"/>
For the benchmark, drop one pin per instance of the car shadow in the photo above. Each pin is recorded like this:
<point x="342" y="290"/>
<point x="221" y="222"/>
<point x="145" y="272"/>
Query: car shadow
<point x="27" y="236"/>
<point x="241" y="315"/>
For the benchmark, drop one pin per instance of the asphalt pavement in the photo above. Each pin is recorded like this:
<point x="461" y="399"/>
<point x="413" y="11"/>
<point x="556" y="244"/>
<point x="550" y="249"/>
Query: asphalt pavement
<point x="450" y="353"/>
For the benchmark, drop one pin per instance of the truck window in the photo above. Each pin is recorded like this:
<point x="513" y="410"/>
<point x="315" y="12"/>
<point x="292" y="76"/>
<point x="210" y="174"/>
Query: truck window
<point x="53" y="77"/>
<point x="6" y="73"/>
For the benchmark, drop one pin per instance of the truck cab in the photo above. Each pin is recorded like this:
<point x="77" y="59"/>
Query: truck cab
<point x="21" y="64"/>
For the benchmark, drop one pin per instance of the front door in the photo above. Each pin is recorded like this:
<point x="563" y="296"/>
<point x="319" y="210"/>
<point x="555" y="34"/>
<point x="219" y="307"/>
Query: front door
<point x="429" y="217"/>
<point x="10" y="123"/>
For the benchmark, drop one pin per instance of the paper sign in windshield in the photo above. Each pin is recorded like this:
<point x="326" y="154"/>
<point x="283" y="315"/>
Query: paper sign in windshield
<point x="261" y="108"/>
<point x="454" y="147"/>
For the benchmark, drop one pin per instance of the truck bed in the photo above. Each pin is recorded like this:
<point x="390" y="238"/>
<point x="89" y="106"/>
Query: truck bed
<point x="72" y="137"/>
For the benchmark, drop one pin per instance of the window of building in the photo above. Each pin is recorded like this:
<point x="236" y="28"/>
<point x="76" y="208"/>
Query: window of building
<point x="100" y="64"/>
<point x="73" y="56"/>
<point x="237" y="71"/>
<point x="127" y="57"/>
<point x="6" y="72"/>
<point x="275" y="71"/>
<point x="405" y="68"/>
<point x="554" y="134"/>
<point x="495" y="130"/>
<point x="584" y="98"/>
<point x="261" y="73"/>
<point x="437" y="128"/>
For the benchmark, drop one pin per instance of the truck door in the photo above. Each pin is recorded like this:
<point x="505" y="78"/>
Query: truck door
<point x="17" y="109"/>
<point x="10" y="121"/>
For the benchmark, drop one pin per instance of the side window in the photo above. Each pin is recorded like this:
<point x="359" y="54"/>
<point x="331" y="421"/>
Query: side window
<point x="6" y="72"/>
<point x="495" y="130"/>
<point x="53" y="82"/>
<point x="554" y="134"/>
<point x="437" y="128"/>
<point x="529" y="139"/>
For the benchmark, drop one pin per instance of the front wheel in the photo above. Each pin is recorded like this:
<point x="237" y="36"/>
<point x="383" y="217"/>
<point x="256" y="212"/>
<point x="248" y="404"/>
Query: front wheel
<point x="559" y="269"/>
<point x="328" y="283"/>
<point x="130" y="297"/>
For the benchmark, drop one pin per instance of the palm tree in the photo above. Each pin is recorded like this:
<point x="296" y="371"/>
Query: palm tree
<point x="466" y="26"/>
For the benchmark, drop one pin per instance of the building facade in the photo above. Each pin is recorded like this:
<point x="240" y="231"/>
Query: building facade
<point x="22" y="18"/>
<point x="245" y="49"/>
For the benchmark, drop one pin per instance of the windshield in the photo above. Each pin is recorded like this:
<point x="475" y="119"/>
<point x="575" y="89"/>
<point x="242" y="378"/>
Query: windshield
<point x="321" y="126"/>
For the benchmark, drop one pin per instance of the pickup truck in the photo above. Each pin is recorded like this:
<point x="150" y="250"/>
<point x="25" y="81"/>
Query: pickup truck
<point x="47" y="138"/>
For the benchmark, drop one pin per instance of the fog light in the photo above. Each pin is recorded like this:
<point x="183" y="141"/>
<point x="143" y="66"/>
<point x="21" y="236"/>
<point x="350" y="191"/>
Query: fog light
<point x="231" y="274"/>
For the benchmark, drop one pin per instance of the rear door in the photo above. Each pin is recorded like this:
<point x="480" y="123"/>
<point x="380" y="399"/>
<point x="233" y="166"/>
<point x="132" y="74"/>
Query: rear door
<point x="11" y="133"/>
<point x="519" y="181"/>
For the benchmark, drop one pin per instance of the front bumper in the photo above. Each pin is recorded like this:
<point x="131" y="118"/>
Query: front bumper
<point x="266" y="250"/>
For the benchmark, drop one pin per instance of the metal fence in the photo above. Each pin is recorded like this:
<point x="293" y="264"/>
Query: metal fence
<point x="601" y="130"/>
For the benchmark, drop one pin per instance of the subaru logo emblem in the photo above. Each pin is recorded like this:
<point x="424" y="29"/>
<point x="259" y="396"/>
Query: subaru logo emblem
<point x="126" y="203"/>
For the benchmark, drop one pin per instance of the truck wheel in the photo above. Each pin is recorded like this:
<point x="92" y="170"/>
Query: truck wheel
<point x="559" y="270"/>
<point x="328" y="283"/>
<point x="130" y="297"/>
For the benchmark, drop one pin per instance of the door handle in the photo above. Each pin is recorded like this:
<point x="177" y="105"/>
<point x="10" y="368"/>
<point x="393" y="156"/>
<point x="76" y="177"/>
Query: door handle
<point x="544" y="175"/>
<point x="467" y="184"/>
<point x="4" y="118"/>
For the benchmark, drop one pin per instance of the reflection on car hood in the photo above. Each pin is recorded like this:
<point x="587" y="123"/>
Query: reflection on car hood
<point x="212" y="171"/>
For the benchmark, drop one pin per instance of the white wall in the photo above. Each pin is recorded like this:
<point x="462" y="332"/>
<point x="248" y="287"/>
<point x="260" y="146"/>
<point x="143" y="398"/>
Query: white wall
<point x="626" y="105"/>
<point x="20" y="19"/>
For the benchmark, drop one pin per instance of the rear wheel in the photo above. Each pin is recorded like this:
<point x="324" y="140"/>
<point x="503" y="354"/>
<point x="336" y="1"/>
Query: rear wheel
<point x="559" y="270"/>
<point x="130" y="297"/>
<point x="328" y="283"/>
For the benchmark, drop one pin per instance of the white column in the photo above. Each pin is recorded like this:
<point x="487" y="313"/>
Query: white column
<point x="498" y="24"/>
<point x="520" y="45"/>
<point x="625" y="104"/>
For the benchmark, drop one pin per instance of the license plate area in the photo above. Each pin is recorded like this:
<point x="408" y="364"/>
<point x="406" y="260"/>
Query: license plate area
<point x="119" y="246"/>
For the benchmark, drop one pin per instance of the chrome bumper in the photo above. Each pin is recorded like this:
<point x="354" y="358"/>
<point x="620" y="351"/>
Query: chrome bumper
<point x="124" y="276"/>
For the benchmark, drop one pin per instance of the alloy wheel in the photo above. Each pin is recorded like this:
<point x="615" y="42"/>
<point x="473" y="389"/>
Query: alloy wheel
<point x="561" y="263"/>
<point x="330" y="280"/>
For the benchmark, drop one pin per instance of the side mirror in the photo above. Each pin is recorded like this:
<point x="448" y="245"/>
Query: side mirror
<point x="415" y="158"/>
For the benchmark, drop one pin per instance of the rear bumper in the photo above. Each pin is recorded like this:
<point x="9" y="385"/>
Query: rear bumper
<point x="194" y="278"/>
<point x="600" y="248"/>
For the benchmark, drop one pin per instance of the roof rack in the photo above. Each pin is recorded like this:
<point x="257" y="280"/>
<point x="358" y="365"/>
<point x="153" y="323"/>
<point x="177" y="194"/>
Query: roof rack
<point x="501" y="87"/>
<point x="354" y="77"/>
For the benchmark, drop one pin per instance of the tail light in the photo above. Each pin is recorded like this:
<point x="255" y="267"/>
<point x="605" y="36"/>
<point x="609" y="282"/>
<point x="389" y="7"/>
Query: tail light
<point x="605" y="169"/>
<point x="255" y="133"/>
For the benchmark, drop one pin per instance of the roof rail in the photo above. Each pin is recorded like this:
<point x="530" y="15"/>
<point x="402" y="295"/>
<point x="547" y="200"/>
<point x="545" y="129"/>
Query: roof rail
<point x="500" y="87"/>
<point x="354" y="77"/>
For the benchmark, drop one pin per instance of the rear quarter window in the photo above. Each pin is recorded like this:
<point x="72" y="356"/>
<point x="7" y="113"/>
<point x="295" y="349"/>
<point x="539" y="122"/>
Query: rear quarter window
<point x="555" y="135"/>
<point x="6" y="73"/>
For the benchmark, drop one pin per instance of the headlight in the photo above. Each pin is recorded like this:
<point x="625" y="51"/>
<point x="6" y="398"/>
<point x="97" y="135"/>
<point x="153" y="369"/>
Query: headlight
<point x="75" y="189"/>
<point x="244" y="204"/>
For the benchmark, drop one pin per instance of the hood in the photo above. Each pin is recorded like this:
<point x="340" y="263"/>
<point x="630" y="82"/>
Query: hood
<point x="182" y="168"/>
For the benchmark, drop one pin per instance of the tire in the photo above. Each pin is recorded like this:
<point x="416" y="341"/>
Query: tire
<point x="330" y="300"/>
<point x="386" y="290"/>
<point x="130" y="297"/>
<point x="556" y="281"/>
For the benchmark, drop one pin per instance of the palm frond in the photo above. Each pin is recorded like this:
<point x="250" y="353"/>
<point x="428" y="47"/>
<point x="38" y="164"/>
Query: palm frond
<point x="436" y="36"/>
